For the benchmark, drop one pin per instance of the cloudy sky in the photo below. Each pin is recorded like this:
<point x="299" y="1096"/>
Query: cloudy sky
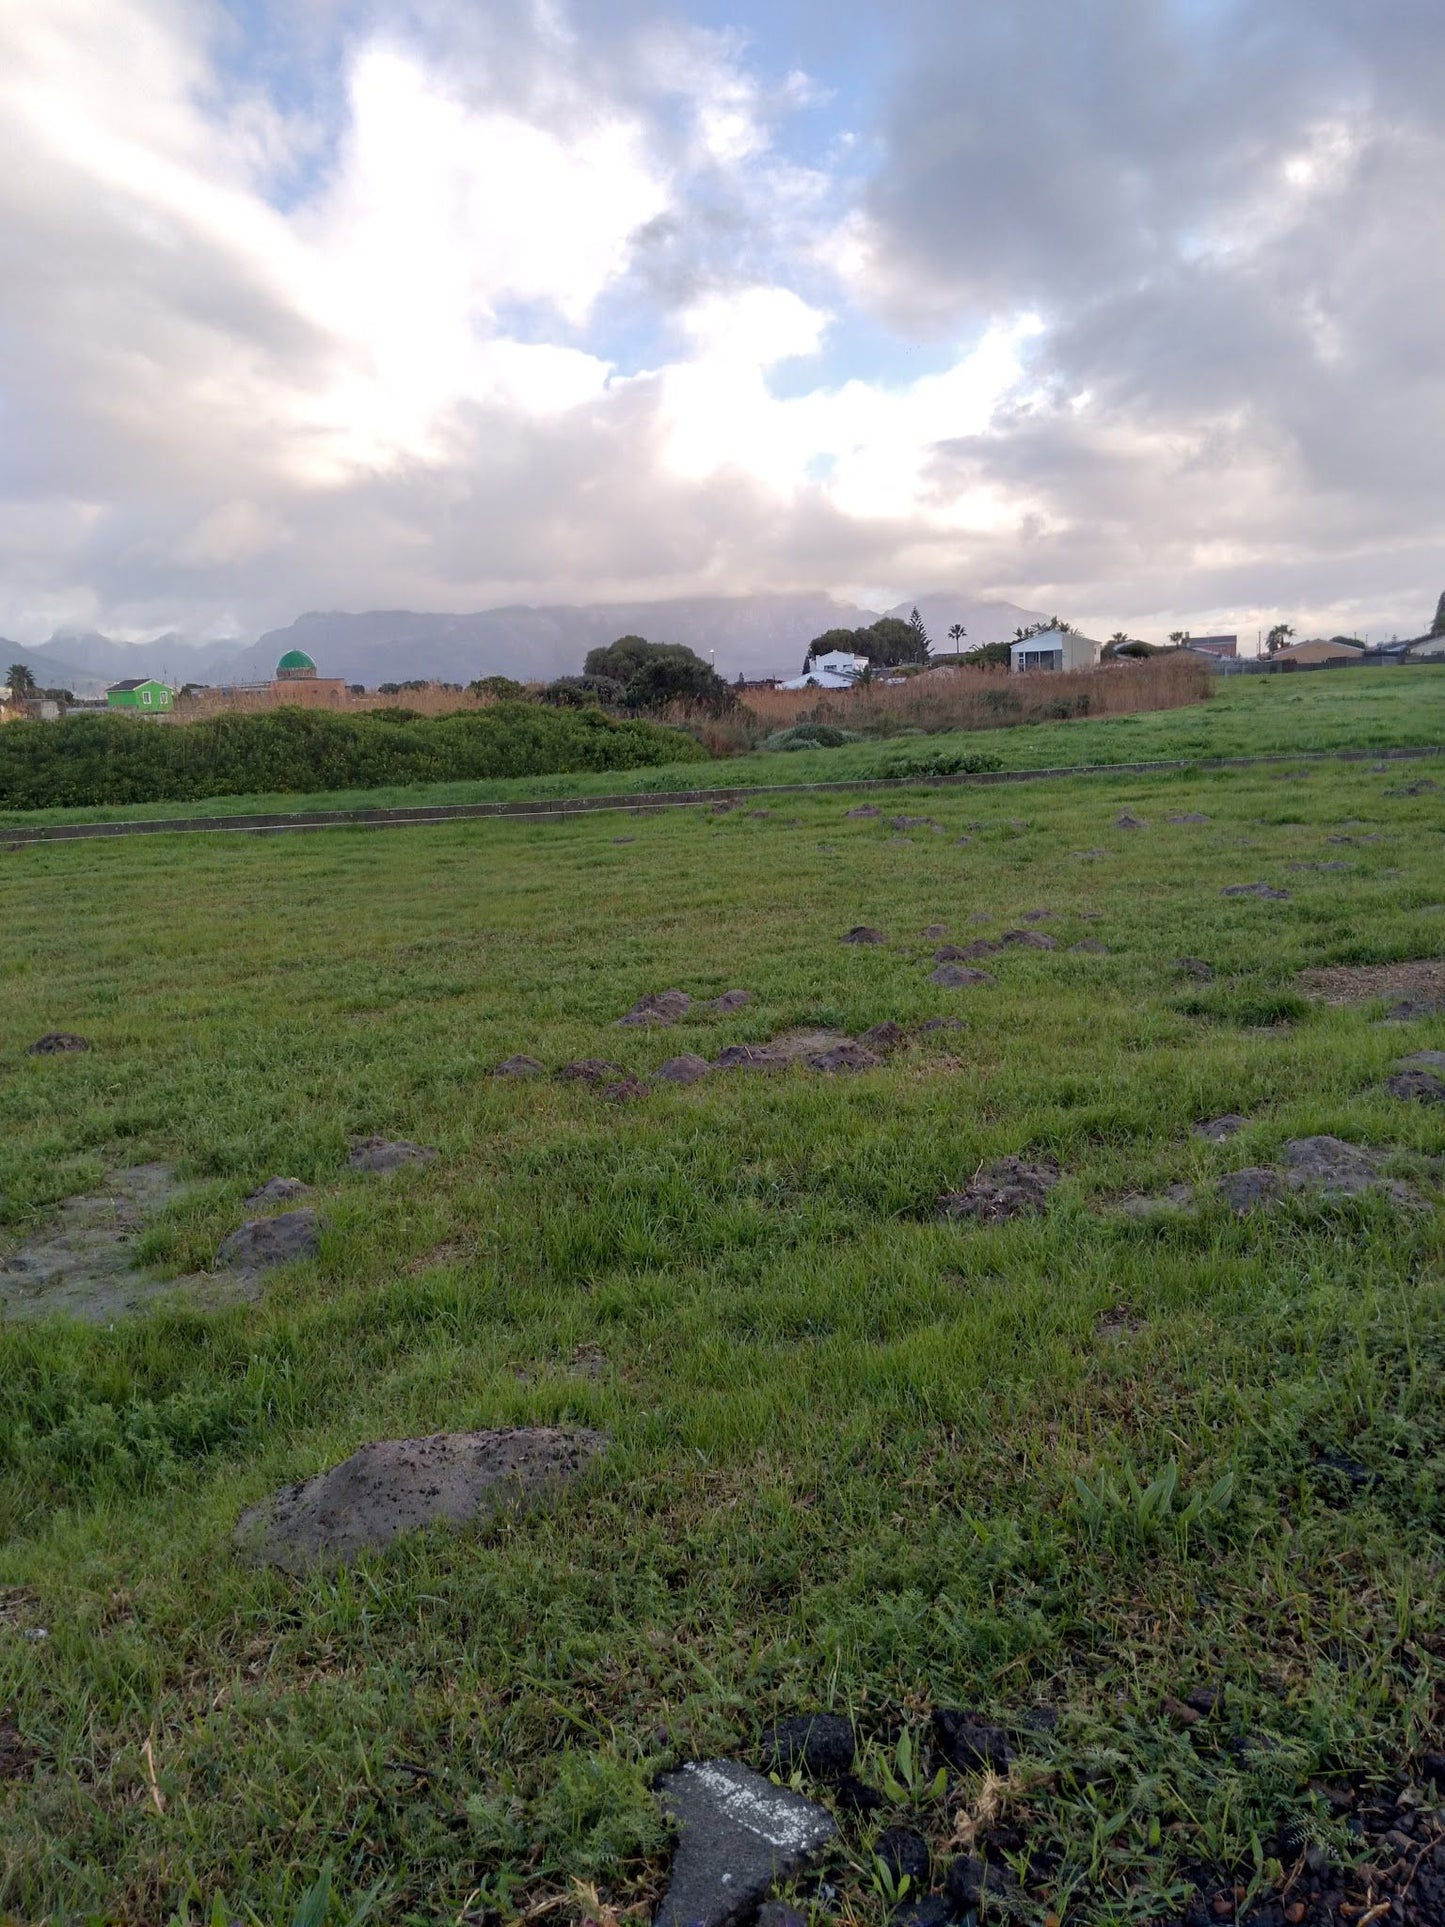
<point x="1133" y="309"/>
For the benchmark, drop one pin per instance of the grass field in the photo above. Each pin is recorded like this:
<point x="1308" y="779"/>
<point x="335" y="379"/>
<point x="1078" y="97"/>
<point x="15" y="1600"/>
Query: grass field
<point x="1246" y="716"/>
<point x="862" y="1458"/>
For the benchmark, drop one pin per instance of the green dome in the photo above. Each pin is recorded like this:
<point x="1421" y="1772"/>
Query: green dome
<point x="296" y="659"/>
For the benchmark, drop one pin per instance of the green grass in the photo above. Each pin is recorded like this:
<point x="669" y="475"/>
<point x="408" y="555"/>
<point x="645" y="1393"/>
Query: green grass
<point x="861" y="1458"/>
<point x="1247" y="716"/>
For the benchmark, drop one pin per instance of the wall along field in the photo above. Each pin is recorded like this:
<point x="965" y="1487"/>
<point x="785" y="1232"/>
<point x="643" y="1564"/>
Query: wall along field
<point x="863" y="1457"/>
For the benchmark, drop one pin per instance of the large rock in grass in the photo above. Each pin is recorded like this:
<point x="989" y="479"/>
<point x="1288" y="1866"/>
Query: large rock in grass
<point x="395" y="1486"/>
<point x="738" y="1834"/>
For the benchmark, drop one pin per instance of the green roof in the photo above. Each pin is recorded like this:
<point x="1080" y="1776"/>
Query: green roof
<point x="296" y="659"/>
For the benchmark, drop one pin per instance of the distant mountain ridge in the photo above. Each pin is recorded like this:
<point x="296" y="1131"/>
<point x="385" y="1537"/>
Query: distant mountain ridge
<point x="754" y="635"/>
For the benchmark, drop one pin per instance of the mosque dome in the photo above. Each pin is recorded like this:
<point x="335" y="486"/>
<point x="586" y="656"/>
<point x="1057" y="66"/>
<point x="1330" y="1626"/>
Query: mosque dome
<point x="295" y="666"/>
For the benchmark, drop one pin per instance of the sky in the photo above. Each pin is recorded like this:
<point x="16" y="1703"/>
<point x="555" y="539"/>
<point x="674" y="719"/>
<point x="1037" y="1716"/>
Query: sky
<point x="1132" y="310"/>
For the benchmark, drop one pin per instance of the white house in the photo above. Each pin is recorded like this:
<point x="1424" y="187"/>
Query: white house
<point x="836" y="670"/>
<point x="1054" y="649"/>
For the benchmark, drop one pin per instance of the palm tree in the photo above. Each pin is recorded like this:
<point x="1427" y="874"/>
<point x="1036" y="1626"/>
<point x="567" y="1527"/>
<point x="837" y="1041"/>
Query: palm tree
<point x="956" y="634"/>
<point x="20" y="679"/>
<point x="1278" y="636"/>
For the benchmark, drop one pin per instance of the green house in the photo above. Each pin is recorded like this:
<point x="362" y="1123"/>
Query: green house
<point x="144" y="694"/>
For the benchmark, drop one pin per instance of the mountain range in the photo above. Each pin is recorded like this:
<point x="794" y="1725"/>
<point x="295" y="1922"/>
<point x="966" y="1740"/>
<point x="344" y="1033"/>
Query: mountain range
<point x="757" y="635"/>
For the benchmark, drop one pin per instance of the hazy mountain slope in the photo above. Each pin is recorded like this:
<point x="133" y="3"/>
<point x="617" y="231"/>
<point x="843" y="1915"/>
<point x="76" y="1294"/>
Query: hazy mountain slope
<point x="985" y="621"/>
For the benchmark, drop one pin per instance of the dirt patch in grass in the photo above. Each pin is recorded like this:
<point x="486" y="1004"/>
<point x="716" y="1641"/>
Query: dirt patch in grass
<point x="1359" y="983"/>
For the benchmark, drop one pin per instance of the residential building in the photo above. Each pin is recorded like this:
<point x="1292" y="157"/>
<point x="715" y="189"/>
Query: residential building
<point x="1319" y="649"/>
<point x="1214" y="645"/>
<point x="1054" y="649"/>
<point x="836" y="670"/>
<point x="141" y="693"/>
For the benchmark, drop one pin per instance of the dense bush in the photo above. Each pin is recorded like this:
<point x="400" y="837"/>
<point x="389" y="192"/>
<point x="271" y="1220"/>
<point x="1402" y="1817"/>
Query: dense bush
<point x="114" y="759"/>
<point x="810" y="736"/>
<point x="654" y="674"/>
<point x="583" y="692"/>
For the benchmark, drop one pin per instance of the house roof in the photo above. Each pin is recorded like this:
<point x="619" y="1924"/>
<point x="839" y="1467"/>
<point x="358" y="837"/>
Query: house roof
<point x="135" y="682"/>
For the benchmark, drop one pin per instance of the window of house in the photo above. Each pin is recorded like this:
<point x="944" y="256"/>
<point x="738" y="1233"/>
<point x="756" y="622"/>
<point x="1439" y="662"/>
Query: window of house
<point x="1042" y="659"/>
<point x="145" y="695"/>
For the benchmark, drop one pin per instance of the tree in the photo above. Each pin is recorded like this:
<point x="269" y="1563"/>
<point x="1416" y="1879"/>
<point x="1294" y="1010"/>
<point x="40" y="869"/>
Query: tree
<point x="920" y="635"/>
<point x="956" y="635"/>
<point x="1278" y="636"/>
<point x="834" y="641"/>
<point x="890" y="641"/>
<point x="653" y="674"/>
<point x="1437" y="627"/>
<point x="1179" y="637"/>
<point x="20" y="679"/>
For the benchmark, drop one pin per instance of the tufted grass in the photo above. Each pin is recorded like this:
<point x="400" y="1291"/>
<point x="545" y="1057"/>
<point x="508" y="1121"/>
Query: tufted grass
<point x="860" y="1458"/>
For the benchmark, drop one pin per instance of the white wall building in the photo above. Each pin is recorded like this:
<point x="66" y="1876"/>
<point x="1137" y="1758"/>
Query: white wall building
<point x="1054" y="649"/>
<point x="837" y="670"/>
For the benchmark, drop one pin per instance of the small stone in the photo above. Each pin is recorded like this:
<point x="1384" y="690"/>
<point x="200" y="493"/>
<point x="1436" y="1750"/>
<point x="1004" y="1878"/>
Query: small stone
<point x="377" y="1154"/>
<point x="821" y="1743"/>
<point x="1220" y="1128"/>
<point x="1126" y="820"/>
<point x="1196" y="968"/>
<point x="1255" y="890"/>
<point x="393" y="1486"/>
<point x="863" y="809"/>
<point x="863" y="933"/>
<point x="1006" y="1189"/>
<point x="279" y="1191"/>
<point x="1255" y="1185"/>
<point x="738" y="1834"/>
<point x="1030" y="940"/>
<point x="970" y="1742"/>
<point x="663" y="1007"/>
<point x="933" y="1910"/>
<point x="519" y="1066"/>
<point x="261" y="1243"/>
<point x="686" y="1069"/>
<point x="856" y="1796"/>
<point x="883" y="1037"/>
<point x="1222" y="1906"/>
<point x="1294" y="1912"/>
<point x="731" y="1000"/>
<point x="952" y="976"/>
<point x="970" y="1879"/>
<point x="55" y="1042"/>
<point x="589" y="1070"/>
<point x="1432" y="1770"/>
<point x="904" y="1852"/>
<point x="1419" y="1087"/>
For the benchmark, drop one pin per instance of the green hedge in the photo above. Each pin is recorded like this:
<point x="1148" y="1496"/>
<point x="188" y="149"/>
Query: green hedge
<point x="117" y="759"/>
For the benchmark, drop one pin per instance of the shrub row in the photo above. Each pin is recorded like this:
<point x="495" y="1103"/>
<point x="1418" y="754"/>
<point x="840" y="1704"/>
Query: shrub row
<point x="113" y="759"/>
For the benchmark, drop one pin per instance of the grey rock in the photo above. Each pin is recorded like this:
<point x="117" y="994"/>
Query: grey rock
<point x="519" y="1066"/>
<point x="377" y="1154"/>
<point x="393" y="1486"/>
<point x="260" y="1243"/>
<point x="279" y="1191"/>
<point x="738" y="1834"/>
<point x="662" y="1007"/>
<point x="1219" y="1128"/>
<point x="1009" y="1188"/>
<point x="970" y="1879"/>
<point x="686" y="1069"/>
<point x="1255" y="890"/>
<point x="952" y="976"/>
<point x="863" y="933"/>
<point x="822" y="1744"/>
<point x="904" y="1852"/>
<point x="1255" y="1185"/>
<point x="934" y="1910"/>
<point x="776" y="1913"/>
<point x="1419" y="1087"/>
<point x="55" y="1042"/>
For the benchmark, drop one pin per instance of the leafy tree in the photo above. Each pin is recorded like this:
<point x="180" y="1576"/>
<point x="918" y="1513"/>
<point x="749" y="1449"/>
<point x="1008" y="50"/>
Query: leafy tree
<point x="1278" y="636"/>
<point x="892" y="641"/>
<point x="993" y="655"/>
<point x="502" y="688"/>
<point x="653" y="674"/>
<point x="840" y="641"/>
<point x="578" y="692"/>
<point x="20" y="679"/>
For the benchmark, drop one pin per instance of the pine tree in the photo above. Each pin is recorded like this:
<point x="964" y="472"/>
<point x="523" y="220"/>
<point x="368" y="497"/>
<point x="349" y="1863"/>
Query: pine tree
<point x="915" y="623"/>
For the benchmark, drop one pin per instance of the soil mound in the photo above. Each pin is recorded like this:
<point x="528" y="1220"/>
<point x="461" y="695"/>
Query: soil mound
<point x="1009" y="1188"/>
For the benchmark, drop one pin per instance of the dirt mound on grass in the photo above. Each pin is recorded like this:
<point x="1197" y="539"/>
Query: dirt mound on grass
<point x="395" y="1486"/>
<point x="661" y="1007"/>
<point x="378" y="1154"/>
<point x="863" y="933"/>
<point x="55" y="1042"/>
<point x="1419" y="979"/>
<point x="953" y="976"/>
<point x="1009" y="1188"/>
